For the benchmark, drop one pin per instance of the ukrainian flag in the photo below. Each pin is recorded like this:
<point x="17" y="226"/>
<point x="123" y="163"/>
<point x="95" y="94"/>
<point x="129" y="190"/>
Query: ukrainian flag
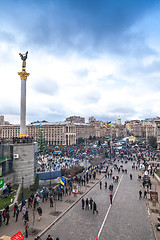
<point x="109" y="123"/>
<point x="63" y="181"/>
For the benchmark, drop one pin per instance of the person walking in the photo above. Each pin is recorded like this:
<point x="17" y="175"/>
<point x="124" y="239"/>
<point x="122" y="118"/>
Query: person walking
<point x="29" y="202"/>
<point x="14" y="209"/>
<point x="83" y="203"/>
<point x="111" y="197"/>
<point x="4" y="215"/>
<point x="39" y="210"/>
<point x="26" y="217"/>
<point x="100" y="184"/>
<point x="49" y="237"/>
<point x="145" y="194"/>
<point x="24" y="210"/>
<point x="87" y="204"/>
<point x="51" y="201"/>
<point x="130" y="176"/>
<point x="26" y="229"/>
<point x="17" y="213"/>
<point x="7" y="217"/>
<point x="0" y="218"/>
<point x="90" y="203"/>
<point x="95" y="208"/>
<point x="105" y="185"/>
<point x="140" y="194"/>
<point x="7" y="207"/>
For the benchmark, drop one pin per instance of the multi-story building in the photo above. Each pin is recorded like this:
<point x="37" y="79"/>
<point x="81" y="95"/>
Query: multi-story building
<point x="138" y="130"/>
<point x="105" y="130"/>
<point x="68" y="133"/>
<point x="141" y="129"/>
<point x="91" y="119"/>
<point x="75" y="119"/>
<point x="84" y="131"/>
<point x="118" y="131"/>
<point x="2" y="121"/>
<point x="96" y="127"/>
<point x="58" y="133"/>
<point x="9" y="131"/>
<point x="157" y="122"/>
<point x="149" y="127"/>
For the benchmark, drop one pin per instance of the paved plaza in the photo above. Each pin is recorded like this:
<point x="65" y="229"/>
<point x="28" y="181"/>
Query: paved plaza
<point x="127" y="218"/>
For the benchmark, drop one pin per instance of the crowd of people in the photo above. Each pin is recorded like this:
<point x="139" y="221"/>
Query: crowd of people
<point x="56" y="194"/>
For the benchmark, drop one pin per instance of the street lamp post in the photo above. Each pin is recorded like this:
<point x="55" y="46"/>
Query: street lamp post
<point x="111" y="144"/>
<point x="50" y="175"/>
<point x="22" y="188"/>
<point x="86" y="167"/>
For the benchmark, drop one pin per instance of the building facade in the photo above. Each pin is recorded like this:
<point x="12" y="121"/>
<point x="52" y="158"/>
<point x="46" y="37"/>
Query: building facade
<point x="58" y="133"/>
<point x="157" y="122"/>
<point x="75" y="119"/>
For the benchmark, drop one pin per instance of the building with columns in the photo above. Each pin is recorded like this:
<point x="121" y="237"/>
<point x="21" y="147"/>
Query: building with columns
<point x="157" y="122"/>
<point x="58" y="133"/>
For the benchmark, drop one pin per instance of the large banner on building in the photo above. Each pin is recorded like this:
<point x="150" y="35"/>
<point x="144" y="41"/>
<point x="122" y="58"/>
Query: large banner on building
<point x="1" y="182"/>
<point x="49" y="175"/>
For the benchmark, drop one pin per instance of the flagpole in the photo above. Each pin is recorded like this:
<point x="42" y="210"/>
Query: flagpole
<point x="85" y="167"/>
<point x="111" y="143"/>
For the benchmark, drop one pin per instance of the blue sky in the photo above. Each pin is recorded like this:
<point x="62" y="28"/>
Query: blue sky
<point x="86" y="57"/>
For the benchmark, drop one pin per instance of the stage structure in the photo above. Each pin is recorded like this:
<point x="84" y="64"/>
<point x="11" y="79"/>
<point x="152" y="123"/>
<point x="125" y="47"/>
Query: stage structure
<point x="23" y="76"/>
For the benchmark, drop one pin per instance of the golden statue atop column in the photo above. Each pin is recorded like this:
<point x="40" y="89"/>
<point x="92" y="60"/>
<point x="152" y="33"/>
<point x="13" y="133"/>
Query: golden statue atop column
<point x="23" y="74"/>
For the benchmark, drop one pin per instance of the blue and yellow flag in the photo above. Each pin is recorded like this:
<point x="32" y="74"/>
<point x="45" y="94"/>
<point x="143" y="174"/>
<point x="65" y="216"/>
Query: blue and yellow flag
<point x="63" y="181"/>
<point x="109" y="123"/>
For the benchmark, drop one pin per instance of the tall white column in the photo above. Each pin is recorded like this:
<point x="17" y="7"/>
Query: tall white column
<point x="23" y="109"/>
<point x="23" y="76"/>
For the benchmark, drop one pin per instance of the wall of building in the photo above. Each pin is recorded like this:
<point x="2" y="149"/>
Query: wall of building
<point x="23" y="165"/>
<point x="9" y="178"/>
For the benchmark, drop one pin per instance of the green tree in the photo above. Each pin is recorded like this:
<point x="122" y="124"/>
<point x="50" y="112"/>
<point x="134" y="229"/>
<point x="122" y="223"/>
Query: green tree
<point x="41" y="140"/>
<point x="80" y="140"/>
<point x="90" y="137"/>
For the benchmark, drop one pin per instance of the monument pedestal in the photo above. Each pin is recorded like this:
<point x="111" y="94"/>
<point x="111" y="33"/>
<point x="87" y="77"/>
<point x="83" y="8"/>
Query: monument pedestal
<point x="23" y="163"/>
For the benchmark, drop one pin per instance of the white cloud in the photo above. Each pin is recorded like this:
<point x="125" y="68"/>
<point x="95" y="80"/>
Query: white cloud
<point x="103" y="71"/>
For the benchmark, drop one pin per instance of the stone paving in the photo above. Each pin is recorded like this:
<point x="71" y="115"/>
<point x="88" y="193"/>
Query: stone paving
<point x="76" y="223"/>
<point x="49" y="216"/>
<point x="128" y="217"/>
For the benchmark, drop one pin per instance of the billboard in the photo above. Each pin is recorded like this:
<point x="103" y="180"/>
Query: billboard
<point x="1" y="182"/>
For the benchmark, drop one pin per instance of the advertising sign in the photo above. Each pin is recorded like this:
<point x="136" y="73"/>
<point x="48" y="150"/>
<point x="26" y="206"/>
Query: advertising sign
<point x="17" y="236"/>
<point x="1" y="182"/>
<point x="154" y="196"/>
<point x="74" y="188"/>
